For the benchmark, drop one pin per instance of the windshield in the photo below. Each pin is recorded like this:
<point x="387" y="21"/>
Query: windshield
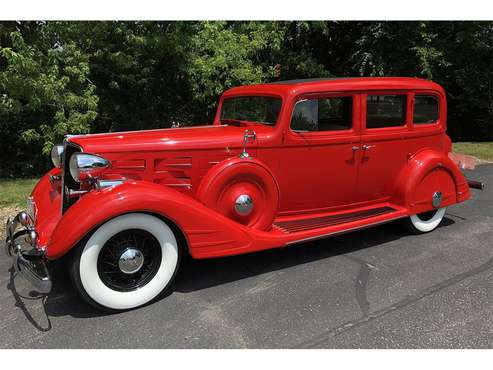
<point x="258" y="109"/>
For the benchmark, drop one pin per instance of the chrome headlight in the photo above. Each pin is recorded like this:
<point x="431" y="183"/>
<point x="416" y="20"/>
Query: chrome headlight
<point x="84" y="166"/>
<point x="56" y="155"/>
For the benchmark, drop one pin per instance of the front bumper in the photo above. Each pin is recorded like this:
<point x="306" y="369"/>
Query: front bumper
<point x="28" y="260"/>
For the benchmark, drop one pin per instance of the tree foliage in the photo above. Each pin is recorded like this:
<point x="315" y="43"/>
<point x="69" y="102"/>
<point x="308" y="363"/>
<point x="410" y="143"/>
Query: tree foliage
<point x="78" y="77"/>
<point x="44" y="93"/>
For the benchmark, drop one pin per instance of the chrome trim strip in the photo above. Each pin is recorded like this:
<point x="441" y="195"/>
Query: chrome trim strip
<point x="188" y="165"/>
<point x="72" y="194"/>
<point x="179" y="185"/>
<point x="342" y="231"/>
<point x="101" y="184"/>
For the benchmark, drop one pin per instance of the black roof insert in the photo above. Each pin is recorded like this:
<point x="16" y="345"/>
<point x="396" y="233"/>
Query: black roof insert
<point x="299" y="81"/>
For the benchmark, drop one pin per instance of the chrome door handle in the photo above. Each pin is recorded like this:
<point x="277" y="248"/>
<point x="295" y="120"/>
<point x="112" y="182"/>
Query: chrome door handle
<point x="366" y="147"/>
<point x="355" y="148"/>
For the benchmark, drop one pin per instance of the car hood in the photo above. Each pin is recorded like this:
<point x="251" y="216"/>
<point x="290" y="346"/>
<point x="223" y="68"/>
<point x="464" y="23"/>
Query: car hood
<point x="183" y="138"/>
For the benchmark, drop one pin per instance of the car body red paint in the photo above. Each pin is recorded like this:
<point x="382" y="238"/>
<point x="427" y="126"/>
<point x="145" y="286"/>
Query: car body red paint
<point x="321" y="185"/>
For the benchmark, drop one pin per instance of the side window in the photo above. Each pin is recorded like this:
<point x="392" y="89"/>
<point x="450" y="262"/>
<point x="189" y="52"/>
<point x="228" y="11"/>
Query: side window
<point x="425" y="109"/>
<point x="324" y="114"/>
<point x="385" y="111"/>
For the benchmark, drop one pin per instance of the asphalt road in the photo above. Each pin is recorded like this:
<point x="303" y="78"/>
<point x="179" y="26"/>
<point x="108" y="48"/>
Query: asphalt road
<point x="377" y="288"/>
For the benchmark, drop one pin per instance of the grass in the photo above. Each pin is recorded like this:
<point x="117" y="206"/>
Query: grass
<point x="14" y="192"/>
<point x="482" y="150"/>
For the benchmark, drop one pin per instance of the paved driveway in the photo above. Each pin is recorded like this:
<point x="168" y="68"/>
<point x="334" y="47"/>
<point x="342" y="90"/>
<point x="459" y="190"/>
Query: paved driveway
<point x="375" y="288"/>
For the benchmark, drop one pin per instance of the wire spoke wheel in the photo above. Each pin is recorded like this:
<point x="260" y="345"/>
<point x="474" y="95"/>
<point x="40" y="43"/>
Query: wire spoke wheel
<point x="129" y="260"/>
<point x="126" y="262"/>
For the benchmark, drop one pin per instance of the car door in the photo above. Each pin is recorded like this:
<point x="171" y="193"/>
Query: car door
<point x="384" y="148"/>
<point x="319" y="157"/>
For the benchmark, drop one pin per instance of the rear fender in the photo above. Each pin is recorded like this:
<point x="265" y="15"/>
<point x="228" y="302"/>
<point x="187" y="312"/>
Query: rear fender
<point x="427" y="172"/>
<point x="201" y="226"/>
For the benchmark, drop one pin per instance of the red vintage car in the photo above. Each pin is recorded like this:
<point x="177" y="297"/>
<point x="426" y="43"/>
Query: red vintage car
<point x="282" y="163"/>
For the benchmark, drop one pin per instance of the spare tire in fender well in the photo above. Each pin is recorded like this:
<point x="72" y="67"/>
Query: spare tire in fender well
<point x="237" y="179"/>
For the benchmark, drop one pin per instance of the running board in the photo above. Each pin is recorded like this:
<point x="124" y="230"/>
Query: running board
<point x="344" y="231"/>
<point x="330" y="220"/>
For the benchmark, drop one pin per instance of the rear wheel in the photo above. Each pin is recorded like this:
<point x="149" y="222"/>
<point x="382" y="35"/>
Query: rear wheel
<point x="426" y="221"/>
<point x="126" y="263"/>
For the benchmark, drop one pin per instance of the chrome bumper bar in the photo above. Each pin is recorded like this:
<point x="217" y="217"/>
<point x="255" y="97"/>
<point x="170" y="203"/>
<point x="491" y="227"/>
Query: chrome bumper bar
<point x="28" y="261"/>
<point x="475" y="184"/>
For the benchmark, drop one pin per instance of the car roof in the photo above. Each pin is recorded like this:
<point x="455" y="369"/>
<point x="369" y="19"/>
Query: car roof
<point x="302" y="86"/>
<point x="306" y="80"/>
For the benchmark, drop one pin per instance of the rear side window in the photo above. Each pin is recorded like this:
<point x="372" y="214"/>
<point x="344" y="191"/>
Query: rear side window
<point x="324" y="114"/>
<point x="385" y="111"/>
<point x="425" y="109"/>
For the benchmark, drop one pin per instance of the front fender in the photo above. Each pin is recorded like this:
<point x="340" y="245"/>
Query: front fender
<point x="201" y="226"/>
<point x="429" y="171"/>
<point x="47" y="197"/>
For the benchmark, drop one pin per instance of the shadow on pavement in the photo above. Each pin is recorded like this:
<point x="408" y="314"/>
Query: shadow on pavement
<point x="32" y="296"/>
<point x="196" y="275"/>
<point x="201" y="274"/>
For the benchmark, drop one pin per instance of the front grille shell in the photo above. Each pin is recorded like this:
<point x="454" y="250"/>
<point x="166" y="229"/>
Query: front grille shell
<point x="67" y="181"/>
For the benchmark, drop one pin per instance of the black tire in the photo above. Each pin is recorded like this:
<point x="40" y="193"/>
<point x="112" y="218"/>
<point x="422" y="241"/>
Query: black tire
<point x="425" y="222"/>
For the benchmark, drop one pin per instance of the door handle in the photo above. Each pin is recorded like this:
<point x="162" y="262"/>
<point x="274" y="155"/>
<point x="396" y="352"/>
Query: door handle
<point x="366" y="147"/>
<point x="355" y="148"/>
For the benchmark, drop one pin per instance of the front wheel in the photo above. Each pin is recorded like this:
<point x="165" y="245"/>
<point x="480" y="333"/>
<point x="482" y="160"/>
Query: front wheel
<point x="426" y="221"/>
<point x="126" y="263"/>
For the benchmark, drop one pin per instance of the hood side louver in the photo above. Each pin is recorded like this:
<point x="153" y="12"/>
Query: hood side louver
<point x="175" y="172"/>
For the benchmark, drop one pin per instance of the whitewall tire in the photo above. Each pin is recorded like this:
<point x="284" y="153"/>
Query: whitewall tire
<point x="427" y="221"/>
<point x="127" y="262"/>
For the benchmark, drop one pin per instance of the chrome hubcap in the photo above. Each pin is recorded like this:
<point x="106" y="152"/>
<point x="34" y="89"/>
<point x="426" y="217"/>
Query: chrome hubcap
<point x="131" y="261"/>
<point x="244" y="204"/>
<point x="437" y="199"/>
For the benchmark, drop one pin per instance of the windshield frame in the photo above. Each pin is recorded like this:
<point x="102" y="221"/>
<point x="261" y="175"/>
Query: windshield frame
<point x="253" y="94"/>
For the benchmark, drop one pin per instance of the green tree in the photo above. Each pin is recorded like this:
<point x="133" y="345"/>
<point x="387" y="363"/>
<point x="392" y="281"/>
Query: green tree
<point x="61" y="77"/>
<point x="221" y="55"/>
<point x="457" y="55"/>
<point x="44" y="94"/>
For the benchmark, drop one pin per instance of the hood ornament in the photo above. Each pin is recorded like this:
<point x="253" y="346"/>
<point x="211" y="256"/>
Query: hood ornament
<point x="175" y="124"/>
<point x="249" y="135"/>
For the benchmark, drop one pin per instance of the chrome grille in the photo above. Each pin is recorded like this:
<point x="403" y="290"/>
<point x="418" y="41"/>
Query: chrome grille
<point x="31" y="208"/>
<point x="67" y="180"/>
